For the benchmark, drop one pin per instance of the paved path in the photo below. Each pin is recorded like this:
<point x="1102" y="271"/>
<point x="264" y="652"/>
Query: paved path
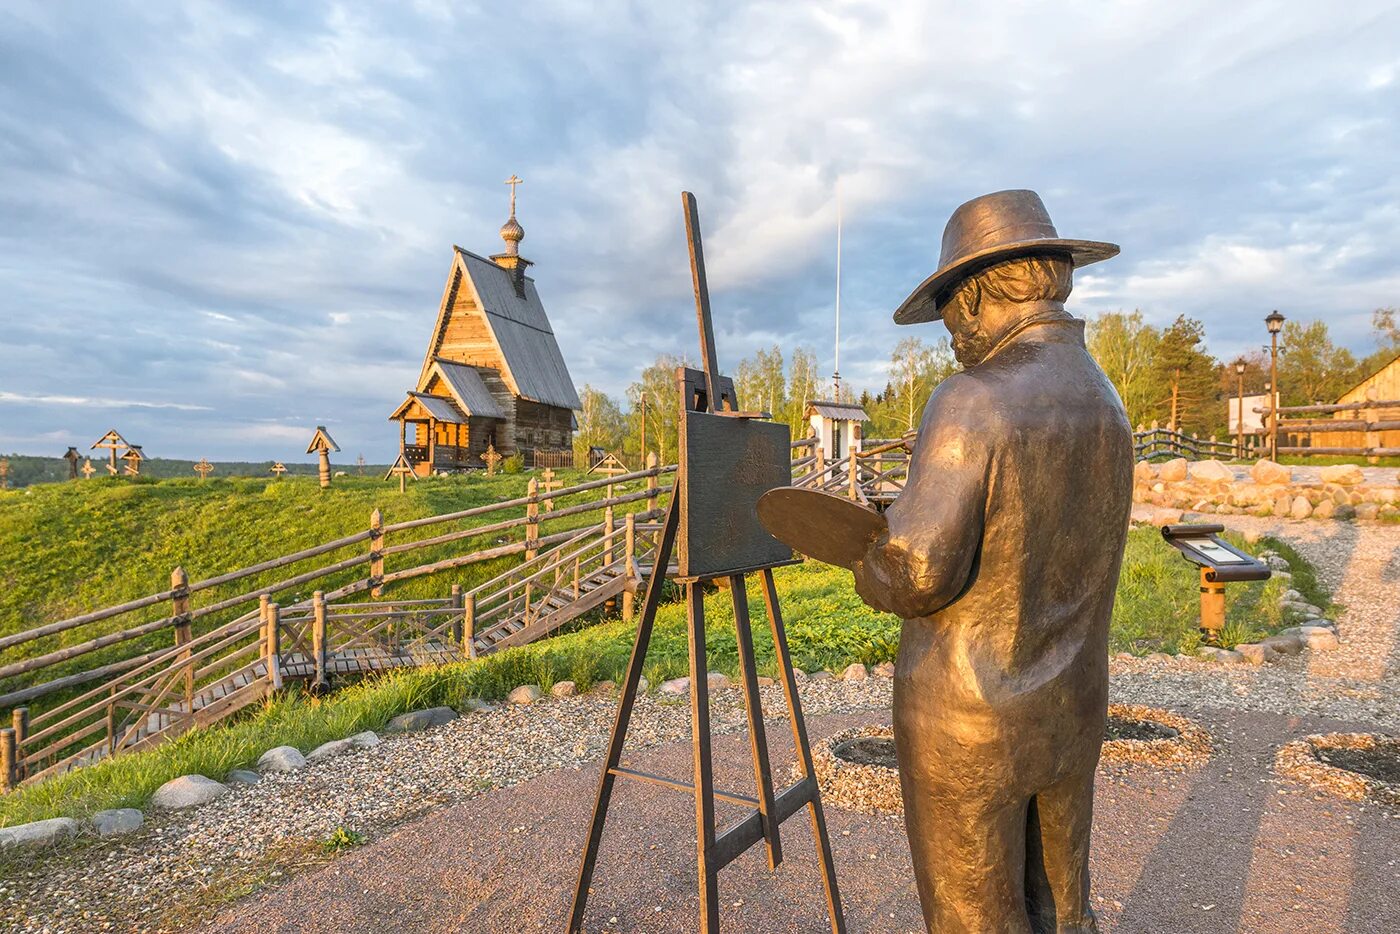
<point x="1223" y="849"/>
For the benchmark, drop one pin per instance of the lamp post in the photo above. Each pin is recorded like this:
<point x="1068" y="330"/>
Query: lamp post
<point x="1274" y="322"/>
<point x="1239" y="410"/>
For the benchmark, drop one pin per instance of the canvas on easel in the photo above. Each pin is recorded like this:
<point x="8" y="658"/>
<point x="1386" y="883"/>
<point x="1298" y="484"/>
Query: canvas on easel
<point x="729" y="459"/>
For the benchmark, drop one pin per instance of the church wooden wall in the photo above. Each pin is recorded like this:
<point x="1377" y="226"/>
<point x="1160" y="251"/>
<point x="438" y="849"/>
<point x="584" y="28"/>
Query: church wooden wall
<point x="543" y="427"/>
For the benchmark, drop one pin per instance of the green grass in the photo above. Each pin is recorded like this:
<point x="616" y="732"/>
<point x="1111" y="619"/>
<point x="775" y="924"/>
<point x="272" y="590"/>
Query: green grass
<point x="828" y="627"/>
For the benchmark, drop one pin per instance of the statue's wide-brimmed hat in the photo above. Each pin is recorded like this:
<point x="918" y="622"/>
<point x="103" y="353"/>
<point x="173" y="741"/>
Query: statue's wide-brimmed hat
<point x="987" y="230"/>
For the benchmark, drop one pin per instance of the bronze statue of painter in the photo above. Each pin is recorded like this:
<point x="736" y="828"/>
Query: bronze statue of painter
<point x="1002" y="555"/>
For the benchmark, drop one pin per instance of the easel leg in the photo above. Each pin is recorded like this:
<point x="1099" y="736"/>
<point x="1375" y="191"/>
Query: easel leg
<point x="758" y="739"/>
<point x="804" y="753"/>
<point x="624" y="715"/>
<point x="704" y="769"/>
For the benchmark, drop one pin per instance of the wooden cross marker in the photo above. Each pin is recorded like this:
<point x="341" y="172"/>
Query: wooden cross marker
<point x="279" y="469"/>
<point x="133" y="458"/>
<point x="72" y="457"/>
<point x="88" y="469"/>
<point x="111" y="469"/>
<point x="492" y="458"/>
<point x="360" y="465"/>
<point x="111" y="441"/>
<point x="403" y="470"/>
<point x="204" y="468"/>
<point x="549" y="484"/>
<point x="322" y="443"/>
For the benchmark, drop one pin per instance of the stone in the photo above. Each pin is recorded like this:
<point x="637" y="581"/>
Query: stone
<point x="1320" y="639"/>
<point x="1173" y="470"/>
<point x="1277" y="563"/>
<point x="604" y="687"/>
<point x="1319" y="621"/>
<point x="1213" y="654"/>
<point x="765" y="682"/>
<point x="333" y="748"/>
<point x="675" y="687"/>
<point x="1210" y="471"/>
<point x="1144" y="473"/>
<point x="416" y="720"/>
<point x="281" y="759"/>
<point x="1266" y="471"/>
<point x="1343" y="474"/>
<point x="798" y="675"/>
<point x="883" y="670"/>
<point x="1256" y="653"/>
<point x="1163" y="517"/>
<point x="39" y="833"/>
<point x="716" y="680"/>
<point x="1285" y="644"/>
<point x="643" y="685"/>
<point x="524" y="695"/>
<point x="1344" y="511"/>
<point x="1325" y="509"/>
<point x="1158" y="657"/>
<point x="1283" y="505"/>
<point x="822" y="676"/>
<point x="1159" y="488"/>
<point x="564" y="689"/>
<point x="1292" y="596"/>
<point x="242" y="777"/>
<point x="1301" y="508"/>
<point x="1300" y="609"/>
<point x="116" y="821"/>
<point x="365" y="739"/>
<point x="477" y="705"/>
<point x="188" y="791"/>
<point x="855" y="671"/>
<point x="1124" y="656"/>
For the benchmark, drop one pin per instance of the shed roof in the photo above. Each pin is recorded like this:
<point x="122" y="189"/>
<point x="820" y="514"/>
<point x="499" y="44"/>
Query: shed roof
<point x="849" y="411"/>
<point x="467" y="388"/>
<point x="441" y="408"/>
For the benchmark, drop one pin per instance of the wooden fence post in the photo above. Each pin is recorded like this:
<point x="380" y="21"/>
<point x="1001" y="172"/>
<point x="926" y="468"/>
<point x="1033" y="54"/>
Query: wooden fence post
<point x="9" y="776"/>
<point x="180" y="609"/>
<point x="469" y="625"/>
<point x="854" y="478"/>
<point x="273" y="649"/>
<point x="20" y="719"/>
<point x="653" y="490"/>
<point x="318" y="637"/>
<point x="532" y="518"/>
<point x="376" y="553"/>
<point x="628" y="596"/>
<point x="455" y="601"/>
<point x="819" y="465"/>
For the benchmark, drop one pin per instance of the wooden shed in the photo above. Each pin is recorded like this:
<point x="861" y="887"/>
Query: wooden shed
<point x="1381" y="386"/>
<point x="493" y="374"/>
<point x="836" y="426"/>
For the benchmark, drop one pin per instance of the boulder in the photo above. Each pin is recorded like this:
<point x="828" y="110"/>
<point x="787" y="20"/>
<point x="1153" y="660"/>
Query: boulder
<point x="365" y="739"/>
<point x="333" y="748"/>
<point x="281" y="759"/>
<point x="716" y="680"/>
<point x="1277" y="563"/>
<point x="1266" y="471"/>
<point x="242" y="777"/>
<point x="764" y="681"/>
<point x="883" y="670"/>
<point x="39" y="833"/>
<point x="822" y="676"/>
<point x="1163" y="517"/>
<point x="1256" y="653"/>
<point x="604" y="687"/>
<point x="855" y="671"/>
<point x="118" y="820"/>
<point x="416" y="720"/>
<point x="798" y="675"/>
<point x="1301" y="508"/>
<point x="1283" y="505"/>
<point x="477" y="705"/>
<point x="1158" y="657"/>
<point x="564" y="689"/>
<point x="1320" y="639"/>
<point x="675" y="687"/>
<point x="1325" y="509"/>
<point x="1343" y="474"/>
<point x="1344" y="511"/>
<point x="1173" y="470"/>
<point x="1144" y="473"/>
<point x="1285" y="644"/>
<point x="525" y="694"/>
<point x="188" y="791"/>
<point x="1210" y="471"/>
<point x="1300" y="609"/>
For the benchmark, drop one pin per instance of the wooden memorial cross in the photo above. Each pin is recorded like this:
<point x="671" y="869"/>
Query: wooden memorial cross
<point x="88" y="469"/>
<point x="401" y="469"/>
<point x="204" y="468"/>
<point x="72" y="457"/>
<point x="322" y="444"/>
<point x="278" y="468"/>
<point x="548" y="483"/>
<point x="112" y="441"/>
<point x="492" y="457"/>
<point x="133" y="458"/>
<point x="727" y="460"/>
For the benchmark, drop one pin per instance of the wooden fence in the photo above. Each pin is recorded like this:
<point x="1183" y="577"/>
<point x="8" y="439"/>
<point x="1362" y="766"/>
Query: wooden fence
<point x="234" y="650"/>
<point x="1164" y="442"/>
<point x="874" y="475"/>
<point x="1367" y="429"/>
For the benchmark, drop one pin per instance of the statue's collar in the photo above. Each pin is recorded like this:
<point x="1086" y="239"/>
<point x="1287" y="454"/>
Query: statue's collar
<point x="1045" y="312"/>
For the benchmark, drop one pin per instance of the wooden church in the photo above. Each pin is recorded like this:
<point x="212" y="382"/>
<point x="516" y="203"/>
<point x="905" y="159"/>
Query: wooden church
<point x="493" y="375"/>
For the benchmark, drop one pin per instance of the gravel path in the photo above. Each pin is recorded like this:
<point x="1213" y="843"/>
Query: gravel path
<point x="182" y="869"/>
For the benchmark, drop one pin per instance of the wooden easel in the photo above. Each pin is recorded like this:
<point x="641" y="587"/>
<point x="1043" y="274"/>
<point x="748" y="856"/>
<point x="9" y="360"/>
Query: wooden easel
<point x="715" y="849"/>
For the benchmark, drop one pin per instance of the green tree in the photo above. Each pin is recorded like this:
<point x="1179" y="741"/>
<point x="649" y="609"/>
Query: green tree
<point x="658" y="385"/>
<point x="1188" y="380"/>
<point x="761" y="383"/>
<point x="915" y="369"/>
<point x="600" y="424"/>
<point x="804" y="384"/>
<point x="1311" y="368"/>
<point x="1386" y="329"/>
<point x="1125" y="346"/>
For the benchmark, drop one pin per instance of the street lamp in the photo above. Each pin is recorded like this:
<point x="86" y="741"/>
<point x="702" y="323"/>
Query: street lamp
<point x="1239" y="409"/>
<point x="1274" y="322"/>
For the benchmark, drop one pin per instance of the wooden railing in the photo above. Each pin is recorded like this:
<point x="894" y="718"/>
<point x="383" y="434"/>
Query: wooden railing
<point x="552" y="459"/>
<point x="1372" y="418"/>
<point x="139" y="685"/>
<point x="1164" y="442"/>
<point x="874" y="475"/>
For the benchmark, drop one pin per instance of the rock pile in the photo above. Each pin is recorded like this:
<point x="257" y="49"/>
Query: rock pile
<point x="1210" y="487"/>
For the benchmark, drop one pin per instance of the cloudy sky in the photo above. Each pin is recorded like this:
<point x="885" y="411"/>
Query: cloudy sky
<point x="223" y="224"/>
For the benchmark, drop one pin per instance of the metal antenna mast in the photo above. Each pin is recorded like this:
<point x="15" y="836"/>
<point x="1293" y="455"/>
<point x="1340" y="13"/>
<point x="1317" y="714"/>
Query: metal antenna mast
<point x="836" y="368"/>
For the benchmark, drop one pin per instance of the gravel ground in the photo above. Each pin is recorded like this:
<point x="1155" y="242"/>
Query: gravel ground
<point x="183" y="868"/>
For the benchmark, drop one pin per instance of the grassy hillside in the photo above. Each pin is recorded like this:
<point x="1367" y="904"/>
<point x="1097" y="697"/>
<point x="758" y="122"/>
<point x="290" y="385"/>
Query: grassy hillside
<point x="27" y="469"/>
<point x="75" y="547"/>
